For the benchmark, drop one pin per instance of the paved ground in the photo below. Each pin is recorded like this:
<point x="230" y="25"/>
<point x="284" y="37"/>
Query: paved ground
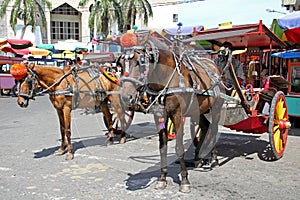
<point x="30" y="170"/>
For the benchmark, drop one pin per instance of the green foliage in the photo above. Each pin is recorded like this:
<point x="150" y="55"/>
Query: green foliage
<point x="27" y="10"/>
<point x="104" y="13"/>
<point x="137" y="8"/>
<point x="123" y="12"/>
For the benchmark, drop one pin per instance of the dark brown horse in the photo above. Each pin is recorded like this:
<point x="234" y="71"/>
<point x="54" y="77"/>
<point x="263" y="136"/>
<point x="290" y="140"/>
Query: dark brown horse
<point x="70" y="88"/>
<point x="173" y="86"/>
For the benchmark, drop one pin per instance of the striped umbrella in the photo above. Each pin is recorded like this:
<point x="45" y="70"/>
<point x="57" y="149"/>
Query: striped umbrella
<point x="290" y="23"/>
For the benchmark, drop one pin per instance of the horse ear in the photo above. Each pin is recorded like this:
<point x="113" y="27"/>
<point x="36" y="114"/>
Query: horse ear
<point x="31" y="66"/>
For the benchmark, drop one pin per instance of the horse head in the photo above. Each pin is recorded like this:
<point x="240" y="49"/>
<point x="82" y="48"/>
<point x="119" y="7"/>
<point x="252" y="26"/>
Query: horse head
<point x="144" y="68"/>
<point x="27" y="86"/>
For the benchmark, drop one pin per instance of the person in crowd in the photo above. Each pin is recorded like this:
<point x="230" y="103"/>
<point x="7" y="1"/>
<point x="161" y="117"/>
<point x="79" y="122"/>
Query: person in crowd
<point x="221" y="61"/>
<point x="78" y="61"/>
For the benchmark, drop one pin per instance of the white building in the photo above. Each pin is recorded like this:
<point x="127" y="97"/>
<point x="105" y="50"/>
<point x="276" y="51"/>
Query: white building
<point x="66" y="20"/>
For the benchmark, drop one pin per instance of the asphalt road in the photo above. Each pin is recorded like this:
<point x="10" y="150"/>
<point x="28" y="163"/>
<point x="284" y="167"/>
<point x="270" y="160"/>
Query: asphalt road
<point x="30" y="170"/>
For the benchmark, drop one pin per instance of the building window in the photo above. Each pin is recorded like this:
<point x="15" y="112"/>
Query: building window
<point x="64" y="30"/>
<point x="175" y="17"/>
<point x="65" y="9"/>
<point x="65" y="23"/>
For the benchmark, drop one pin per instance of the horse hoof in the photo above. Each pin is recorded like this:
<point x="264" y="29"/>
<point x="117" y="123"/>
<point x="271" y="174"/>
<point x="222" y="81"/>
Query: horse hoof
<point x="122" y="140"/>
<point x="59" y="152"/>
<point x="109" y="141"/>
<point x="69" y="156"/>
<point x="160" y="185"/>
<point x="185" y="188"/>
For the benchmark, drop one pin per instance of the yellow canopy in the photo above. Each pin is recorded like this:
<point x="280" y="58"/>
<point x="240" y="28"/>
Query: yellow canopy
<point x="66" y="54"/>
<point x="38" y="52"/>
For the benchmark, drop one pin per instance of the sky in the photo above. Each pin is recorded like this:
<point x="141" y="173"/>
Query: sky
<point x="210" y="13"/>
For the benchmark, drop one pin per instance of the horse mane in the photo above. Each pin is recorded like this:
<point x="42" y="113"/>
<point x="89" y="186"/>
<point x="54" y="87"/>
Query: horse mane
<point x="47" y="69"/>
<point x="158" y="43"/>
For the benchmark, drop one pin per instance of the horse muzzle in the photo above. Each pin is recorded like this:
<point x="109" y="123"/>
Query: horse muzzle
<point x="23" y="102"/>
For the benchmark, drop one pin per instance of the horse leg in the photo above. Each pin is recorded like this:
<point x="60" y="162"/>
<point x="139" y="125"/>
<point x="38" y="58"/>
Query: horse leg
<point x="67" y="129"/>
<point x="108" y="120"/>
<point x="185" y="185"/>
<point x="202" y="161"/>
<point x="63" y="146"/>
<point x="163" y="148"/>
<point x="216" y="116"/>
<point x="209" y="160"/>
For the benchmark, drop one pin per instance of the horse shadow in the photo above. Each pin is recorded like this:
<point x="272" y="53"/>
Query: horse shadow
<point x="87" y="142"/>
<point x="229" y="146"/>
<point x="141" y="130"/>
<point x="232" y="145"/>
<point x="145" y="178"/>
<point x="136" y="131"/>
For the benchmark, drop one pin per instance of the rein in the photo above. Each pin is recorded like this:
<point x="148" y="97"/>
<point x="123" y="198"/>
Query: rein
<point x="188" y="59"/>
<point x="61" y="92"/>
<point x="155" y="53"/>
<point x="31" y="82"/>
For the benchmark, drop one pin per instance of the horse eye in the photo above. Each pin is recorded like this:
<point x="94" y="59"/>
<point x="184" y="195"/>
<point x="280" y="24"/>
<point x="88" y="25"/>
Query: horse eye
<point x="29" y="81"/>
<point x="122" y="56"/>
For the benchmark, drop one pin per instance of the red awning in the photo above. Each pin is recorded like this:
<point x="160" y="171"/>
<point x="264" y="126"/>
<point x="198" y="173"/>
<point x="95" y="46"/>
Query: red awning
<point x="241" y="37"/>
<point x="17" y="43"/>
<point x="8" y="48"/>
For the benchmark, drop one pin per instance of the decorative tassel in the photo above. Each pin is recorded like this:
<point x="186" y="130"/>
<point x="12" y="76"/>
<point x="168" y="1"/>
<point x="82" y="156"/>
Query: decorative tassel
<point x="161" y="123"/>
<point x="267" y="84"/>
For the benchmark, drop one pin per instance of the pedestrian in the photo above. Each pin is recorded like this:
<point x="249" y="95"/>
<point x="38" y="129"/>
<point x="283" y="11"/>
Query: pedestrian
<point x="221" y="61"/>
<point x="78" y="61"/>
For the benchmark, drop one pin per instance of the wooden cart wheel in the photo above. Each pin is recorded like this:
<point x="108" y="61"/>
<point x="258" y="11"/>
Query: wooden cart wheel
<point x="120" y="120"/>
<point x="171" y="130"/>
<point x="5" y="91"/>
<point x="278" y="124"/>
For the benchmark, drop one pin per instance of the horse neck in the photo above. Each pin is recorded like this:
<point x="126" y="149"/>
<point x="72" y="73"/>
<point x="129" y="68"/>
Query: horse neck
<point x="161" y="72"/>
<point x="48" y="75"/>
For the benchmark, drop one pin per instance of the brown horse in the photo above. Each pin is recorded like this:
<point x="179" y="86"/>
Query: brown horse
<point x="70" y="88"/>
<point x="174" y="86"/>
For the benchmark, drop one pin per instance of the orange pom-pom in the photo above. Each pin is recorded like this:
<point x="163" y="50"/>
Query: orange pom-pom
<point x="128" y="40"/>
<point x="18" y="71"/>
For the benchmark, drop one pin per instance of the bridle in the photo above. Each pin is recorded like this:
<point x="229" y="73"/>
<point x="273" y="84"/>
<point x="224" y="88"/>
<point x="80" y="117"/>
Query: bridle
<point x="31" y="82"/>
<point x="142" y="61"/>
<point x="147" y="55"/>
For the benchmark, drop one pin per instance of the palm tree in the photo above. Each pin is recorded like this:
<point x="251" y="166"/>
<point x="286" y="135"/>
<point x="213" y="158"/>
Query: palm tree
<point x="137" y="8"/>
<point x="27" y="10"/>
<point x="106" y="12"/>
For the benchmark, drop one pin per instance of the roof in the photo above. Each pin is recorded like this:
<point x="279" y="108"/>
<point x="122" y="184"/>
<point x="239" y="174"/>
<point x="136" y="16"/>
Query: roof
<point x="287" y="54"/>
<point x="184" y="30"/>
<point x="241" y="37"/>
<point x="10" y="60"/>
